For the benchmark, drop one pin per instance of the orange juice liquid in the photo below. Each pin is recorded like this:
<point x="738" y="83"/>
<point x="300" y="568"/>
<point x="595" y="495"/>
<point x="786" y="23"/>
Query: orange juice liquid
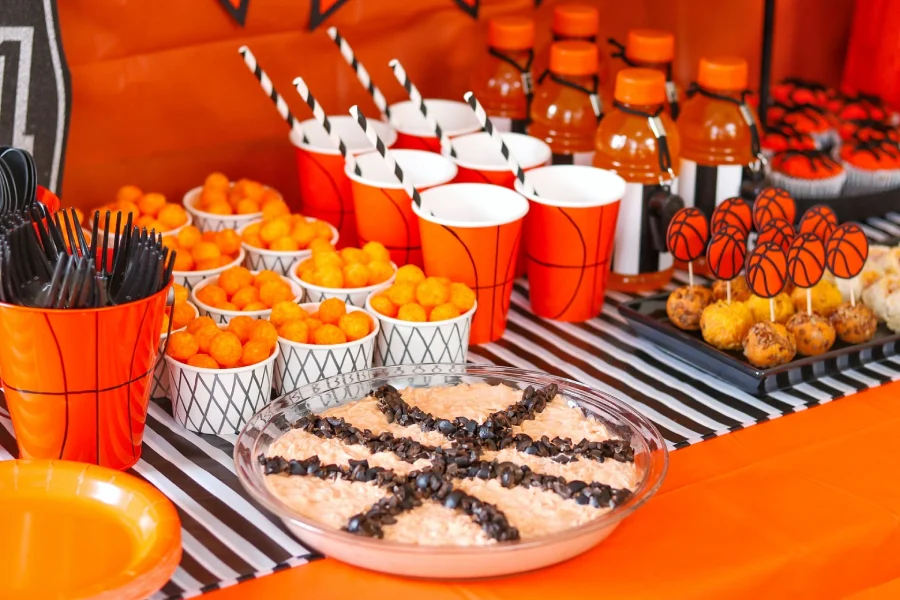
<point x="499" y="87"/>
<point x="625" y="144"/>
<point x="565" y="119"/>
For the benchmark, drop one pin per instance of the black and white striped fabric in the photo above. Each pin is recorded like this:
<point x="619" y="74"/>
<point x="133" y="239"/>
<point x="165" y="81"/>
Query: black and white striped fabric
<point x="227" y="539"/>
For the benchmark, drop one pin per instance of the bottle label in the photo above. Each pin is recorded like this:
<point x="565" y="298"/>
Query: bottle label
<point x="706" y="186"/>
<point x="576" y="158"/>
<point x="634" y="252"/>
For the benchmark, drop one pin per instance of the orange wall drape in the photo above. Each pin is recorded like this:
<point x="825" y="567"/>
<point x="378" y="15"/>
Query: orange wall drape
<point x="161" y="97"/>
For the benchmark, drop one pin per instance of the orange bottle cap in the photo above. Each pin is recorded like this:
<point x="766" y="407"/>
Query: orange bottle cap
<point x="640" y="86"/>
<point x="723" y="73"/>
<point x="574" y="58"/>
<point x="650" y="46"/>
<point x="511" y="33"/>
<point x="575" y="21"/>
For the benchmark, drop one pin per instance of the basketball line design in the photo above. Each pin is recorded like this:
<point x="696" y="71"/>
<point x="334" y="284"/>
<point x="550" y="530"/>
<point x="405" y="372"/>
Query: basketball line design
<point x="599" y="250"/>
<point x="62" y="366"/>
<point x="335" y="188"/>
<point x="837" y="247"/>
<point x="733" y="236"/>
<point x="131" y="374"/>
<point x="506" y="301"/>
<point x="685" y="219"/>
<point x="468" y="253"/>
<point x="798" y="266"/>
<point x="97" y="385"/>
<point x="402" y="218"/>
<point x="80" y="392"/>
<point x="763" y="256"/>
<point x="583" y="260"/>
<point x="556" y="266"/>
<point x="729" y="211"/>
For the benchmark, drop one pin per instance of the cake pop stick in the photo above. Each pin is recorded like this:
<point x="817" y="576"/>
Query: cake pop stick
<point x="361" y="73"/>
<point x="846" y="253"/>
<point x="416" y="97"/>
<point x="269" y="88"/>
<point x="323" y="120"/>
<point x="767" y="272"/>
<point x="386" y="155"/>
<point x="726" y="253"/>
<point x="806" y="263"/>
<point x="686" y="237"/>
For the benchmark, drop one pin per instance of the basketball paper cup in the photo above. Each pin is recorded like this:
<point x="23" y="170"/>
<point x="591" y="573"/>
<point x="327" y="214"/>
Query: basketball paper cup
<point x="413" y="132"/>
<point x="569" y="234"/>
<point x="480" y="161"/>
<point x="189" y="279"/>
<point x="471" y="234"/>
<point x="298" y="364"/>
<point x="219" y="401"/>
<point x="259" y="259"/>
<point x="207" y="221"/>
<point x="352" y="296"/>
<point x="408" y="343"/>
<point x="324" y="189"/>
<point x="77" y="381"/>
<point x="225" y="316"/>
<point x="384" y="210"/>
<point x="160" y="387"/>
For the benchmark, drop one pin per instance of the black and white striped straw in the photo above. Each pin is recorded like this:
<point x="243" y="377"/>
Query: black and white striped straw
<point x="269" y="88"/>
<point x="322" y="119"/>
<point x="416" y="97"/>
<point x="386" y="155"/>
<point x="497" y="138"/>
<point x="364" y="78"/>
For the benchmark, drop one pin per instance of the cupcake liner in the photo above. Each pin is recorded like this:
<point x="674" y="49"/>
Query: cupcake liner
<point x="810" y="188"/>
<point x="871" y="179"/>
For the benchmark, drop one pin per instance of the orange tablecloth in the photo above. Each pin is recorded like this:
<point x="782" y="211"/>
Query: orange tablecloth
<point x="806" y="506"/>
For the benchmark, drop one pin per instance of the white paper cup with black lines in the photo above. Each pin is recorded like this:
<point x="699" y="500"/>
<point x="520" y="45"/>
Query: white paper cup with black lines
<point x="160" y="386"/>
<point x="259" y="259"/>
<point x="353" y="296"/>
<point x="225" y="316"/>
<point x="219" y="401"/>
<point x="207" y="221"/>
<point x="299" y="364"/>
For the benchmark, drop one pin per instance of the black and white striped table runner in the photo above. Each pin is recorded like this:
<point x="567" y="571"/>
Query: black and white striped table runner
<point x="227" y="539"/>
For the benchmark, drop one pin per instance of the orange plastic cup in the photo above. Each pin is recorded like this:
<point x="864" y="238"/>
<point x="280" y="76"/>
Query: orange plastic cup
<point x="324" y="189"/>
<point x="383" y="209"/>
<point x="471" y="234"/>
<point x="77" y="382"/>
<point x="569" y="234"/>
<point x="413" y="132"/>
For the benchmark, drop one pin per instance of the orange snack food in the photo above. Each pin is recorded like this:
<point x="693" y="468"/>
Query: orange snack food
<point x="280" y="231"/>
<point x="327" y="335"/>
<point x="150" y="210"/>
<point x="182" y="314"/>
<point x="165" y="324"/>
<point x="244" y="296"/>
<point x="286" y="311"/>
<point x="188" y="237"/>
<point x="205" y="337"/>
<point x="356" y="325"/>
<point x="211" y="295"/>
<point x="295" y="330"/>
<point x="409" y="274"/>
<point x="377" y="251"/>
<point x="443" y="312"/>
<point x="254" y="306"/>
<point x="237" y="289"/>
<point x="462" y="296"/>
<point x="203" y="361"/>
<point x="242" y="326"/>
<point x="205" y="251"/>
<point x="265" y="331"/>
<point x="219" y="196"/>
<point x="216" y="181"/>
<point x="228" y="241"/>
<point x="182" y="346"/>
<point x="432" y="292"/>
<point x="255" y="351"/>
<point x="228" y="306"/>
<point x="273" y="292"/>
<point x="379" y="272"/>
<point x="331" y="311"/>
<point x="351" y="268"/>
<point x="181" y="293"/>
<point x="429" y="299"/>
<point x="199" y="323"/>
<point x="226" y="349"/>
<point x="354" y="255"/>
<point x="235" y="278"/>
<point x="266" y="276"/>
<point x="356" y="275"/>
<point x="401" y="293"/>
<point x="383" y="305"/>
<point x="312" y="324"/>
<point x="412" y="312"/>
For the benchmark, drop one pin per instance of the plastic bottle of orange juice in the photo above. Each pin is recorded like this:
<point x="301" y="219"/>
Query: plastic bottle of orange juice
<point x="571" y="22"/>
<point x="638" y="140"/>
<point x="567" y="105"/>
<point x="651" y="49"/>
<point x="719" y="134"/>
<point x="503" y="82"/>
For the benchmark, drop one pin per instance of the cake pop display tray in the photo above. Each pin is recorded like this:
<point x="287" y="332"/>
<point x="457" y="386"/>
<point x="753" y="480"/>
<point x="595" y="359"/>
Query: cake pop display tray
<point x="647" y="316"/>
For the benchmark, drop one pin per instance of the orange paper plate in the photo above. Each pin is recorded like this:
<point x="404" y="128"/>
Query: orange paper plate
<point x="72" y="530"/>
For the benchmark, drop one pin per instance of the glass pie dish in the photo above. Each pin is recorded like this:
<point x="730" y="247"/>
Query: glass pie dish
<point x="446" y="561"/>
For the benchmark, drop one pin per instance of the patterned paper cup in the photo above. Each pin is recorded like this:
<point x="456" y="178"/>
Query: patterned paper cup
<point x="471" y="234"/>
<point x="298" y="364"/>
<point x="219" y="401"/>
<point x="189" y="279"/>
<point x="259" y="259"/>
<point x="352" y="296"/>
<point x="479" y="160"/>
<point x="324" y="189"/>
<point x="206" y="221"/>
<point x="407" y="343"/>
<point x="413" y="132"/>
<point x="225" y="316"/>
<point x="160" y="387"/>
<point x="383" y="209"/>
<point x="569" y="234"/>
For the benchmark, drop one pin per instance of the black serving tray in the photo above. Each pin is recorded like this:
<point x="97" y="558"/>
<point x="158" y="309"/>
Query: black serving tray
<point x="647" y="316"/>
<point x="856" y="206"/>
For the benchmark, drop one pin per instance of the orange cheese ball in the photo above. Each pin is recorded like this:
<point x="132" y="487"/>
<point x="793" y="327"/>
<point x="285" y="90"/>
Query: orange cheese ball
<point x="286" y="311"/>
<point x="265" y="331"/>
<point x="129" y="193"/>
<point x="313" y="323"/>
<point x="208" y="236"/>
<point x="242" y="326"/>
<point x="284" y="244"/>
<point x="199" y="323"/>
<point x="383" y="305"/>
<point x="127" y="207"/>
<point x="432" y="292"/>
<point x="219" y="208"/>
<point x="182" y="346"/>
<point x="235" y="278"/>
<point x="172" y="216"/>
<point x="205" y="251"/>
<point x="254" y="306"/>
<point x="328" y="277"/>
<point x="412" y="312"/>
<point x="209" y="197"/>
<point x="272" y="230"/>
<point x="275" y="208"/>
<point x="181" y="293"/>
<point x="303" y="233"/>
<point x="228" y="306"/>
<point x="327" y="259"/>
<point x="251" y="229"/>
<point x="462" y="296"/>
<point x="401" y="293"/>
<point x="331" y="311"/>
<point x="168" y="241"/>
<point x="254" y="352"/>
<point x="208" y="264"/>
<point x="203" y="361"/>
<point x="327" y="335"/>
<point x="226" y="349"/>
<point x="182" y="314"/>
<point x="356" y="325"/>
<point x="356" y="275"/>
<point x="265" y="276"/>
<point x="379" y="272"/>
<point x="228" y="241"/>
<point x="147" y="222"/>
<point x="244" y="296"/>
<point x="354" y="255"/>
<point x="273" y="292"/>
<point x="216" y="181"/>
<point x="247" y="207"/>
<point x="252" y="189"/>
<point x="183" y="262"/>
<point x="151" y="203"/>
<point x="442" y="312"/>
<point x="269" y="195"/>
<point x="320" y="245"/>
<point x="188" y="237"/>
<point x="322" y="229"/>
<point x="409" y="274"/>
<point x="205" y="337"/>
<point x="377" y="251"/>
<point x="211" y="295"/>
<point x="295" y="330"/>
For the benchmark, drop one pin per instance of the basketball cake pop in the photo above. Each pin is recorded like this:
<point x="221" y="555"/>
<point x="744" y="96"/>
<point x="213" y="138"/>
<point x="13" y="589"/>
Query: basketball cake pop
<point x="724" y="323"/>
<point x="686" y="238"/>
<point x="819" y="220"/>
<point x="767" y="304"/>
<point x="813" y="333"/>
<point x="776" y="230"/>
<point x="773" y="203"/>
<point x="732" y="211"/>
<point x="768" y="344"/>
<point x="845" y="257"/>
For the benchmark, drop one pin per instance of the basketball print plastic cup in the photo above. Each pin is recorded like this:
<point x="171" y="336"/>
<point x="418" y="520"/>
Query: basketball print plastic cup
<point x="77" y="382"/>
<point x="413" y="132"/>
<point x="384" y="210"/>
<point x="471" y="234"/>
<point x="324" y="189"/>
<point x="569" y="234"/>
<point x="480" y="161"/>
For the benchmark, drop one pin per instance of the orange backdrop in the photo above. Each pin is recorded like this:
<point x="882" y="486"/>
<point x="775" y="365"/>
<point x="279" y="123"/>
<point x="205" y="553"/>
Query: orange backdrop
<point x="161" y="96"/>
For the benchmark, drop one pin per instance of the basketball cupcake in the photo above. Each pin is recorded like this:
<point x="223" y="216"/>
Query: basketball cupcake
<point x="794" y="90"/>
<point x="808" y="173"/>
<point x="782" y="137"/>
<point x="866" y="130"/>
<point x="806" y="118"/>
<point x="872" y="164"/>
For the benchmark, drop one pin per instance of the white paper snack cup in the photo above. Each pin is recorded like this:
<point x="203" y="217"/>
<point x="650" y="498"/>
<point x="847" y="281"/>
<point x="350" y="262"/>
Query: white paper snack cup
<point x="160" y="387"/>
<point x="455" y="118"/>
<point x="477" y="151"/>
<point x="409" y="343"/>
<point x="318" y="140"/>
<point x="225" y="316"/>
<point x="205" y="221"/>
<point x="189" y="279"/>
<point x="299" y="364"/>
<point x="260" y="259"/>
<point x="219" y="401"/>
<point x="352" y="296"/>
